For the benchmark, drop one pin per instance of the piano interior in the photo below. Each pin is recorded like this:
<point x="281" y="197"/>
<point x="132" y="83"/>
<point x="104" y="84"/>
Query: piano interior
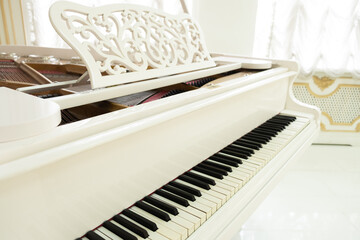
<point x="23" y="72"/>
<point x="176" y="155"/>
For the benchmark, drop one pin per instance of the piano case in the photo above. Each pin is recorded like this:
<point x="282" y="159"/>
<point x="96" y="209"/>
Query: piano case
<point x="110" y="152"/>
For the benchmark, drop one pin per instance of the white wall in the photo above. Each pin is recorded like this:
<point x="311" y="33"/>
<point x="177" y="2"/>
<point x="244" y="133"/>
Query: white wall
<point x="228" y="25"/>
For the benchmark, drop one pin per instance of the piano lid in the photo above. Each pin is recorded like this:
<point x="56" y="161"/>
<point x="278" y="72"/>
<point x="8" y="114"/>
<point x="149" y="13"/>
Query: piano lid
<point x="127" y="43"/>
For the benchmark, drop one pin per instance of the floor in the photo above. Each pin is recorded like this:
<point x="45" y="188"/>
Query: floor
<point x="319" y="198"/>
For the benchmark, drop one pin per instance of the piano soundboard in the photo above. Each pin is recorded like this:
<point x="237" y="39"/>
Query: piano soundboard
<point x="155" y="153"/>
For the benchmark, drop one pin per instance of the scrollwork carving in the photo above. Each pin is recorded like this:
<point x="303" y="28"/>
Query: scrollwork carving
<point x="125" y="38"/>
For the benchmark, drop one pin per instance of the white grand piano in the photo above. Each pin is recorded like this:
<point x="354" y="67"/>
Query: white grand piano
<point x="183" y="144"/>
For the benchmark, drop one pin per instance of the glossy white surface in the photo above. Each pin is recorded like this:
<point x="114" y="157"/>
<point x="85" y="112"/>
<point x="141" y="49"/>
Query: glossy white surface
<point x="246" y="63"/>
<point x="318" y="199"/>
<point x="82" y="173"/>
<point x="23" y="115"/>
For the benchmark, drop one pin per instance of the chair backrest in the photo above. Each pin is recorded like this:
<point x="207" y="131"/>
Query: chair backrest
<point x="124" y="43"/>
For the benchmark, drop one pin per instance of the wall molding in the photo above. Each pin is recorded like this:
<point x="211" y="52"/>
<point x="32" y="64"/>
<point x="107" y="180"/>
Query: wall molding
<point x="12" y="24"/>
<point x="337" y="98"/>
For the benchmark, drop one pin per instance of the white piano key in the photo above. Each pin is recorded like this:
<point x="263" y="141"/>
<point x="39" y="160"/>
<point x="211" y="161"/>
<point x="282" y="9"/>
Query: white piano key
<point x="109" y="233"/>
<point x="222" y="191"/>
<point x="202" y="208"/>
<point x="263" y="155"/>
<point x="167" y="229"/>
<point x="191" y="218"/>
<point x="234" y="181"/>
<point x="208" y="203"/>
<point x="205" y="192"/>
<point x="271" y="145"/>
<point x="104" y="236"/>
<point x="249" y="166"/>
<point x="262" y="161"/>
<point x="152" y="235"/>
<point x="184" y="223"/>
<point x="189" y="210"/>
<point x="264" y="152"/>
<point x="258" y="163"/>
<point x="241" y="176"/>
<point x="246" y="170"/>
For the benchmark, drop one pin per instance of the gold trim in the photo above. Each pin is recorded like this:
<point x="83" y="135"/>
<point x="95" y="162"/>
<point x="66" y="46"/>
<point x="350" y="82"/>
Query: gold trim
<point x="339" y="124"/>
<point x="323" y="128"/>
<point x="323" y="82"/>
<point x="327" y="95"/>
<point x="4" y="22"/>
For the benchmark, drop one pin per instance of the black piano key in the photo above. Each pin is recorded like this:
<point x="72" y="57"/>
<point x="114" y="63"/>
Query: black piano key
<point x="118" y="231"/>
<point x="267" y="133"/>
<point x="268" y="129"/>
<point x="164" y="206"/>
<point x="194" y="181"/>
<point x="258" y="136"/>
<point x="243" y="143"/>
<point x="186" y="188"/>
<point x="284" y="117"/>
<point x="154" y="211"/>
<point x="224" y="161"/>
<point x="255" y="139"/>
<point x="279" y="122"/>
<point x="241" y="149"/>
<point x="276" y="122"/>
<point x="230" y="152"/>
<point x="208" y="172"/>
<point x="140" y="219"/>
<point x="93" y="236"/>
<point x="229" y="157"/>
<point x="272" y="127"/>
<point x="201" y="178"/>
<point x="179" y="192"/>
<point x="251" y="149"/>
<point x="212" y="168"/>
<point x="225" y="168"/>
<point x="258" y="145"/>
<point x="131" y="226"/>
<point x="172" y="197"/>
<point x="77" y="238"/>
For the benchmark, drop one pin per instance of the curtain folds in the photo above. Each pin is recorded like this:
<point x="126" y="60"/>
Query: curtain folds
<point x="322" y="35"/>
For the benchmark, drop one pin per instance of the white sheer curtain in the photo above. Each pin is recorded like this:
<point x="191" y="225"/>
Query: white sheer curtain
<point x="322" y="35"/>
<point x="42" y="33"/>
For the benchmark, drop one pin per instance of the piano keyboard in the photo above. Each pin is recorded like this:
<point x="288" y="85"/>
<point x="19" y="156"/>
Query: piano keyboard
<point x="180" y="207"/>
